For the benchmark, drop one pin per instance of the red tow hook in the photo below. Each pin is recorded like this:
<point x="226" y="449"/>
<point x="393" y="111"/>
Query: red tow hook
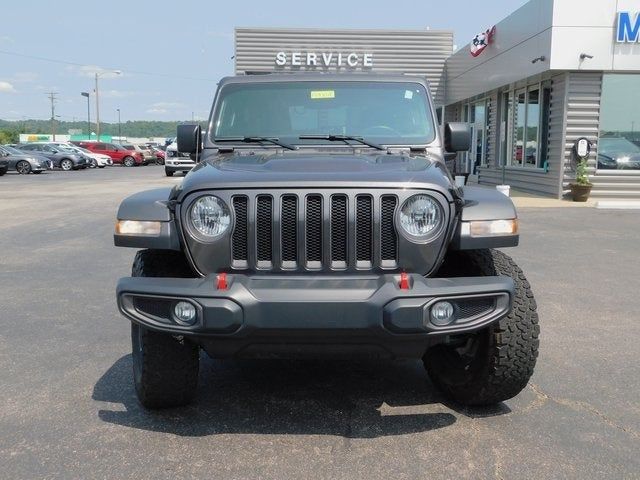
<point x="221" y="281"/>
<point x="404" y="281"/>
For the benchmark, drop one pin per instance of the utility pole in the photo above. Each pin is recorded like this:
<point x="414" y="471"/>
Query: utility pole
<point x="119" y="131"/>
<point x="52" y="97"/>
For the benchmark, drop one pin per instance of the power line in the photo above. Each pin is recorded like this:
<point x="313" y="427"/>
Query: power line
<point x="76" y="64"/>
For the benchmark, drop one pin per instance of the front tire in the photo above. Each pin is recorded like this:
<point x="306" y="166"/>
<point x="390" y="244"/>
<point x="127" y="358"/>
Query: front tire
<point x="23" y="167"/>
<point x="165" y="367"/>
<point x="66" y="164"/>
<point x="168" y="173"/>
<point x="129" y="162"/>
<point x="493" y="364"/>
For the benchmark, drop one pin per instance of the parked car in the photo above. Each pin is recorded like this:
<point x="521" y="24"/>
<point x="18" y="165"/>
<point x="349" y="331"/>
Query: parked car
<point x="146" y="152"/>
<point x="618" y="153"/>
<point x="63" y="158"/>
<point x="118" y="154"/>
<point x="176" y="161"/>
<point x="24" y="162"/>
<point x="160" y="155"/>
<point x="4" y="165"/>
<point x="96" y="160"/>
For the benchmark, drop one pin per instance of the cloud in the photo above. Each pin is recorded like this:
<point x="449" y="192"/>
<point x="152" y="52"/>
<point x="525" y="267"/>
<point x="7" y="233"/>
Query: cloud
<point x="157" y="111"/>
<point x="6" y="87"/>
<point x="91" y="70"/>
<point x="115" y="93"/>
<point x="166" y="105"/>
<point x="24" y="77"/>
<point x="6" y="39"/>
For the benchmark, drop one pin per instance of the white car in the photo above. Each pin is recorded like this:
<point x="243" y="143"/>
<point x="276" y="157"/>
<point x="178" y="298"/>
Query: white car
<point x="175" y="161"/>
<point x="96" y="159"/>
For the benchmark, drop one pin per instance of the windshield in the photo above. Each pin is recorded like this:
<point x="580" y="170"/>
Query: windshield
<point x="12" y="150"/>
<point x="394" y="113"/>
<point x="617" y="145"/>
<point x="65" y="148"/>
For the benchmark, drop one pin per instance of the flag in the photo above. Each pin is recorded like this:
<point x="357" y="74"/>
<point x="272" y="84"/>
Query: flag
<point x="481" y="41"/>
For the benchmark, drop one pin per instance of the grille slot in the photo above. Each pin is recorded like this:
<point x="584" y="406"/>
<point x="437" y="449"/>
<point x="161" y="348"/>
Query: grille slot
<point x="388" y="235"/>
<point x="289" y="230"/>
<point x="240" y="236"/>
<point x="339" y="225"/>
<point x="364" y="231"/>
<point x="313" y="233"/>
<point x="264" y="235"/>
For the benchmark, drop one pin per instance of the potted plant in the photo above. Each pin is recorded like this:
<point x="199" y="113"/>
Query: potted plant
<point x="582" y="188"/>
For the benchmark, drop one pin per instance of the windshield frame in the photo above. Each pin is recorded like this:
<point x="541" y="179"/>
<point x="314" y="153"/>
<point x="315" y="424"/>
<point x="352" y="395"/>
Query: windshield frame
<point x="432" y="137"/>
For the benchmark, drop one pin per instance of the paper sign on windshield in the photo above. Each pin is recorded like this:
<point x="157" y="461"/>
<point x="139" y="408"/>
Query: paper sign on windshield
<point x="317" y="94"/>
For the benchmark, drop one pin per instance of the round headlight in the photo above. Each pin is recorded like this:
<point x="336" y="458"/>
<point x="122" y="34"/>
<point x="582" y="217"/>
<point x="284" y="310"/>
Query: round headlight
<point x="420" y="215"/>
<point x="210" y="216"/>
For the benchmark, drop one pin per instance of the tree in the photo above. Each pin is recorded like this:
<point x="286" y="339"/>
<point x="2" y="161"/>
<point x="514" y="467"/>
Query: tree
<point x="9" y="136"/>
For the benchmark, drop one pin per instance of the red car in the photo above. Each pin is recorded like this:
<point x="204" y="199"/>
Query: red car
<point x="117" y="153"/>
<point x="160" y="155"/>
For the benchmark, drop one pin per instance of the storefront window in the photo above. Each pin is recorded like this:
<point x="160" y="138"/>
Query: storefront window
<point x="619" y="143"/>
<point x="527" y="131"/>
<point x="533" y="124"/>
<point x="519" y="124"/>
<point x="477" y="116"/>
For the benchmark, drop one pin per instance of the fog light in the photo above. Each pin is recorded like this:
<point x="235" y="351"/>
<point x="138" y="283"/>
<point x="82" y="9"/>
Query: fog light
<point x="185" y="313"/>
<point x="442" y="313"/>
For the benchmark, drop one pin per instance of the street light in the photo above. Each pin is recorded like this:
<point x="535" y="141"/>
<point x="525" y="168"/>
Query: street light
<point x="98" y="74"/>
<point x="119" y="133"/>
<point x="86" y="94"/>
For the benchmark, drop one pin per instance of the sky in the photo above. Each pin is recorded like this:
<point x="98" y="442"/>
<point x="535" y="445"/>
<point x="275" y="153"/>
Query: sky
<point x="171" y="54"/>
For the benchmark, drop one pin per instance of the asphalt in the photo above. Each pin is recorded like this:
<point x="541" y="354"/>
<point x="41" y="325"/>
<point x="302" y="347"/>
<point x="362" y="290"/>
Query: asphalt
<point x="68" y="409"/>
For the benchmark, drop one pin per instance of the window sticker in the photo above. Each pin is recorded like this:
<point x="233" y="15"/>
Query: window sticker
<point x="408" y="94"/>
<point x="320" y="94"/>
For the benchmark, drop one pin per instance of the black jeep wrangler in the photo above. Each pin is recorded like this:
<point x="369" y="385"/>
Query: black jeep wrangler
<point x="321" y="220"/>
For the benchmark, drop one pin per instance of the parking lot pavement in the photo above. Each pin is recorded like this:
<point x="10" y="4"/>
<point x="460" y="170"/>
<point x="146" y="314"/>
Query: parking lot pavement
<point x="68" y="409"/>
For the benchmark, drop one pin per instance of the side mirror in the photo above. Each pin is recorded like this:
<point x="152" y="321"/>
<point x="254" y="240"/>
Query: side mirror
<point x="457" y="137"/>
<point x="189" y="138"/>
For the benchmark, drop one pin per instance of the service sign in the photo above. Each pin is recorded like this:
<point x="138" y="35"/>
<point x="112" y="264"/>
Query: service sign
<point x="628" y="28"/>
<point x="324" y="59"/>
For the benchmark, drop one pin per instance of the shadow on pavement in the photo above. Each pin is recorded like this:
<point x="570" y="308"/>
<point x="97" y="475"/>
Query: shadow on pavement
<point x="353" y="399"/>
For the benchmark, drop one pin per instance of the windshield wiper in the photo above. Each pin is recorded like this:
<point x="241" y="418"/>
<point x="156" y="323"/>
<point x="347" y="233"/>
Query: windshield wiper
<point x="342" y="138"/>
<point x="274" y="141"/>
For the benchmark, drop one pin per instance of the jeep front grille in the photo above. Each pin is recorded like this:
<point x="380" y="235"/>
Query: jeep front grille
<point x="314" y="231"/>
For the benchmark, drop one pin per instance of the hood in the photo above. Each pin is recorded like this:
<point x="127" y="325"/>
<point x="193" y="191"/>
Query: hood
<point x="314" y="170"/>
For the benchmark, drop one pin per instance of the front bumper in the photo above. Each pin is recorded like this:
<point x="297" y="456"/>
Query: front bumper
<point x="177" y="166"/>
<point x="273" y="315"/>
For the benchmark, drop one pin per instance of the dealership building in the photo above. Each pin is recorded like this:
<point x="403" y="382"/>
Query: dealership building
<point x="548" y="74"/>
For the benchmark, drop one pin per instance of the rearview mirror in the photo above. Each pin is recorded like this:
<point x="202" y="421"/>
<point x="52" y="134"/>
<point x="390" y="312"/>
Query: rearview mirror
<point x="189" y="138"/>
<point x="457" y="137"/>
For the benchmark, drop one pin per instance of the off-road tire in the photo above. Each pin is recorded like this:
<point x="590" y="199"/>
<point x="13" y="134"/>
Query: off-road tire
<point x="129" y="162"/>
<point x="500" y="358"/>
<point x="165" y="367"/>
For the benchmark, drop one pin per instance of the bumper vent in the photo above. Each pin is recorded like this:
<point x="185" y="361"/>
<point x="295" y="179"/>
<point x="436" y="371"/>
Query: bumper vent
<point x="468" y="309"/>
